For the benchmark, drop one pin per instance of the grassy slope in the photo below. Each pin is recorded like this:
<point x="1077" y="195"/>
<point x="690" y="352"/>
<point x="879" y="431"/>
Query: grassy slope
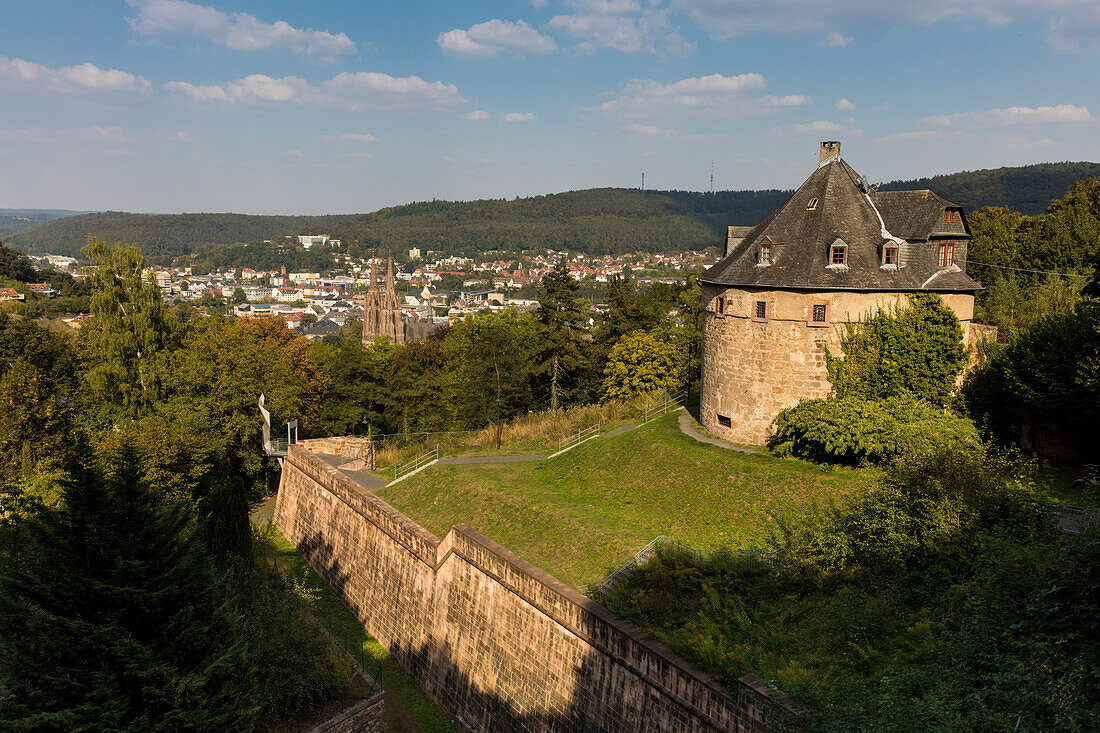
<point x="581" y="514"/>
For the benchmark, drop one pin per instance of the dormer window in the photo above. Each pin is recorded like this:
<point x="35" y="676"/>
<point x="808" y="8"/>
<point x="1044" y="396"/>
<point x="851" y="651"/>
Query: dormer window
<point x="890" y="255"/>
<point x="838" y="255"/>
<point x="811" y="205"/>
<point x="947" y="254"/>
<point x="765" y="255"/>
<point x="950" y="216"/>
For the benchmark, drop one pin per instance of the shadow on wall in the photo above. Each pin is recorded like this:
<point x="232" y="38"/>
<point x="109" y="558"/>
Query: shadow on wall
<point x="478" y="678"/>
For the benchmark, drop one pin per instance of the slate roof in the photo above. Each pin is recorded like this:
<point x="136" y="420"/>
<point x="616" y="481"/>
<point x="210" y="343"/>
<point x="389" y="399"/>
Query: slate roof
<point x="911" y="215"/>
<point x="801" y="239"/>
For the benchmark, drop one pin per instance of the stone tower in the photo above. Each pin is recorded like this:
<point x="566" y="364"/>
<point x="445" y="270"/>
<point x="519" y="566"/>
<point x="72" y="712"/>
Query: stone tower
<point x="832" y="254"/>
<point x="381" y="312"/>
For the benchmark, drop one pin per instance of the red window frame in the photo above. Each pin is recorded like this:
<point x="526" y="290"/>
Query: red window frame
<point x="947" y="254"/>
<point x="950" y="216"/>
<point x="890" y="255"/>
<point x="842" y="251"/>
<point x="765" y="254"/>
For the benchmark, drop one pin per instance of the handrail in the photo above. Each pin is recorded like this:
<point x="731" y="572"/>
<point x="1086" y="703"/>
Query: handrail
<point x="581" y="435"/>
<point x="415" y="463"/>
<point x="679" y="400"/>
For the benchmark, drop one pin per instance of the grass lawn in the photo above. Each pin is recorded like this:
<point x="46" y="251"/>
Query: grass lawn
<point x="408" y="710"/>
<point x="580" y="515"/>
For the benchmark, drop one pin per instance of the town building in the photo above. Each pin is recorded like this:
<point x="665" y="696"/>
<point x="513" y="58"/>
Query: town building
<point x="834" y="253"/>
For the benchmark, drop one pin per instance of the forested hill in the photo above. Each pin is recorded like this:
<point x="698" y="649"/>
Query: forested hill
<point x="600" y="220"/>
<point x="161" y="236"/>
<point x="597" y="220"/>
<point x="1027" y="189"/>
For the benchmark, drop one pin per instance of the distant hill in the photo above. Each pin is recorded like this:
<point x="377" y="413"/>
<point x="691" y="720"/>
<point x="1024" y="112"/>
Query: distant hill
<point x="15" y="220"/>
<point x="161" y="237"/>
<point x="1028" y="189"/>
<point x="598" y="221"/>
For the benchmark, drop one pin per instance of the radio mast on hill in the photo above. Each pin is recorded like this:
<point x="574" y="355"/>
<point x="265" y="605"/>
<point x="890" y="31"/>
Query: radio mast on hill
<point x="712" y="176"/>
<point x="643" y="182"/>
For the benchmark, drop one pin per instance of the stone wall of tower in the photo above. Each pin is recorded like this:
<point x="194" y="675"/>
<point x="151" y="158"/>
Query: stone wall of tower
<point x="755" y="368"/>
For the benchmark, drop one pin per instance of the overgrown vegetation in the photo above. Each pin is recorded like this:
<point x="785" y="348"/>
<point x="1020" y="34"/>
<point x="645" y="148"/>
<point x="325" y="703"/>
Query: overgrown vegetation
<point x="889" y="389"/>
<point x="923" y="605"/>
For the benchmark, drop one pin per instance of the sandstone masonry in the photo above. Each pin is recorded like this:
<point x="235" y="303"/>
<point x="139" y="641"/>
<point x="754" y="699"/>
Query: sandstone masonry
<point x="497" y="642"/>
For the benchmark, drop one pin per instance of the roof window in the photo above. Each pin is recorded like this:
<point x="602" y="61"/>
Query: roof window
<point x="812" y="205"/>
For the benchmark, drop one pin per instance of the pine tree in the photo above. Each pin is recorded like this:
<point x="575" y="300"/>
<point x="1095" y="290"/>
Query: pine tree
<point x="113" y="619"/>
<point x="561" y="316"/>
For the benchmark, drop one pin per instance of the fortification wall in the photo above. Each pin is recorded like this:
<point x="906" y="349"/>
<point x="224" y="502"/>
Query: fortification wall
<point x="754" y="368"/>
<point x="498" y="643"/>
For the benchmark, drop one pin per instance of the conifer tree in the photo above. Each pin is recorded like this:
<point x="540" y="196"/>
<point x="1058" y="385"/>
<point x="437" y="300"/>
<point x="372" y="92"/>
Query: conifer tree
<point x="561" y="316"/>
<point x="112" y="618"/>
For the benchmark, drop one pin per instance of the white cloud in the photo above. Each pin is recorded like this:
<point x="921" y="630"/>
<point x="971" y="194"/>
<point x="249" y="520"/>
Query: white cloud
<point x="820" y="127"/>
<point x="491" y="37"/>
<point x="293" y="153"/>
<point x="519" y="117"/>
<point x="68" y="79"/>
<point x="844" y="104"/>
<point x="1069" y="25"/>
<point x="622" y="25"/>
<point x="649" y="130"/>
<point x="477" y="115"/>
<point x="648" y="154"/>
<point x="354" y="91"/>
<point x="697" y="95"/>
<point x="240" y="31"/>
<point x="359" y="137"/>
<point x="836" y="40"/>
<point x="1011" y="116"/>
<point x="357" y="156"/>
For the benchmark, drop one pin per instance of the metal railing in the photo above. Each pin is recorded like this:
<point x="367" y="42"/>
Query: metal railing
<point x="415" y="463"/>
<point x="278" y="446"/>
<point x="568" y="441"/>
<point x="1072" y="519"/>
<point x="669" y="403"/>
<point x="644" y="555"/>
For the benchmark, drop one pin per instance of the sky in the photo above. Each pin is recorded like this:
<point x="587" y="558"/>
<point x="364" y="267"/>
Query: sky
<point x="341" y="107"/>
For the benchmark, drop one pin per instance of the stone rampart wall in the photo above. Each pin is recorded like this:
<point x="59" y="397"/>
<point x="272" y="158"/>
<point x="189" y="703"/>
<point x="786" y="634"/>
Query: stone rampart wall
<point x="498" y="643"/>
<point x="349" y="445"/>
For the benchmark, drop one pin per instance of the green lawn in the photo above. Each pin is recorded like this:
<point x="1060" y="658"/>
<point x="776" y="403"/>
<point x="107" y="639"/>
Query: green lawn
<point x="582" y="514"/>
<point x="408" y="710"/>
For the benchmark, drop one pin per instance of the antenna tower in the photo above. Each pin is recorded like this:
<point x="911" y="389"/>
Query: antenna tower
<point x="712" y="176"/>
<point x="643" y="181"/>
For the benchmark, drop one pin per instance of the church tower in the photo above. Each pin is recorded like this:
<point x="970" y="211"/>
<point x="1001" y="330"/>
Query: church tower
<point x="381" y="312"/>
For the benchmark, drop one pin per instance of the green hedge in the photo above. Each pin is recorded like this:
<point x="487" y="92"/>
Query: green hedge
<point x="853" y="431"/>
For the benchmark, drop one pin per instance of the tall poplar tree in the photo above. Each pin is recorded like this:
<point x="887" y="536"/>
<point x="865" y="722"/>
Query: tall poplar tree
<point x="128" y="335"/>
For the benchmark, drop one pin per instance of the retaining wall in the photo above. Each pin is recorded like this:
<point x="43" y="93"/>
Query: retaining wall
<point x="497" y="642"/>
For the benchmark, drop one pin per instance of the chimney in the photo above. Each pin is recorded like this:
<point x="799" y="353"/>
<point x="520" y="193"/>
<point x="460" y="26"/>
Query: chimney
<point x="830" y="149"/>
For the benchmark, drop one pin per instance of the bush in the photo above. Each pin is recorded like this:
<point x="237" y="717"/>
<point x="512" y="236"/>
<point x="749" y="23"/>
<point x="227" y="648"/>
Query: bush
<point x="851" y="430"/>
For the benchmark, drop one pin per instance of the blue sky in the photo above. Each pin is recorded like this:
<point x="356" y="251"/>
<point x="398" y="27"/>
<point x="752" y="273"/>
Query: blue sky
<point x="340" y="107"/>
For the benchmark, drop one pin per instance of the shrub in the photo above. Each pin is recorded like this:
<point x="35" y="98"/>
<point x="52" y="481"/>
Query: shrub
<point x="851" y="430"/>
